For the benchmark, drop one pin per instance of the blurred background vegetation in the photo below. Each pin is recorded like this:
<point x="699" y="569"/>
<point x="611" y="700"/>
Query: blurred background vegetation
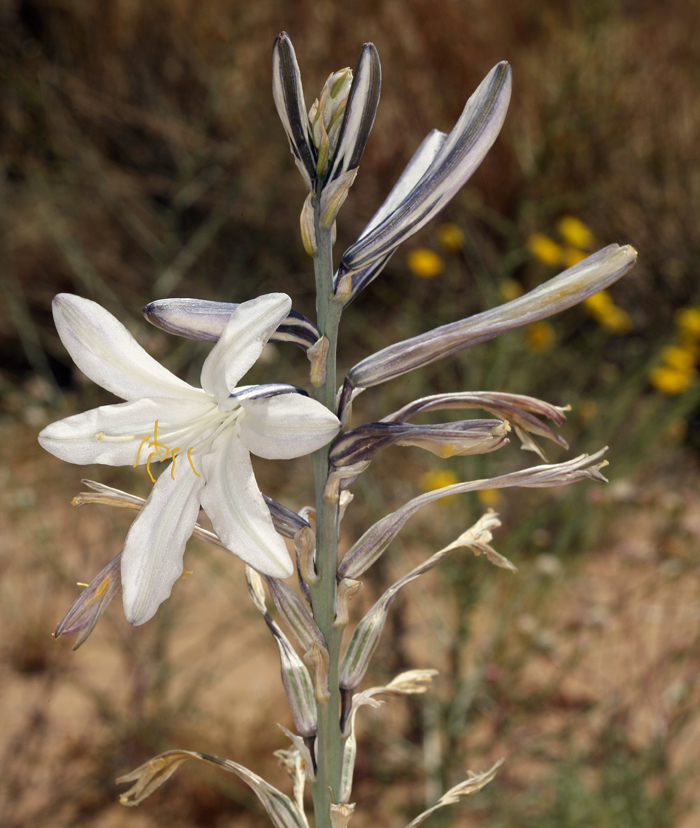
<point x="142" y="158"/>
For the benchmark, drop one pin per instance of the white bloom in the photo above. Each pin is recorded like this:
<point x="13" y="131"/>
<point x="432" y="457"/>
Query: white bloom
<point x="207" y="433"/>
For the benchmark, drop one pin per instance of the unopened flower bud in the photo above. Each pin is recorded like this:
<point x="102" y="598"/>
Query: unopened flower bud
<point x="326" y="116"/>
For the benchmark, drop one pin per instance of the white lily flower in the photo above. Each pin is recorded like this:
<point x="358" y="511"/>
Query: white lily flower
<point x="207" y="433"/>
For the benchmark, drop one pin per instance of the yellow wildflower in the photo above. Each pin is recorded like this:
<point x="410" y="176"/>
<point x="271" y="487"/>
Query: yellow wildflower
<point x="539" y="337"/>
<point x="544" y="249"/>
<point x="615" y="320"/>
<point x="572" y="256"/>
<point x="688" y="321"/>
<point x="450" y="237"/>
<point x="670" y="380"/>
<point x="607" y="314"/>
<point x="682" y="359"/>
<point x="437" y="478"/>
<point x="575" y="232"/>
<point x="427" y="264"/>
<point x="489" y="497"/>
<point x="510" y="289"/>
<point x="599" y="303"/>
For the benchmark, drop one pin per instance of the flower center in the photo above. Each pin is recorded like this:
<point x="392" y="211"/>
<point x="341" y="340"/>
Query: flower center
<point x="199" y="432"/>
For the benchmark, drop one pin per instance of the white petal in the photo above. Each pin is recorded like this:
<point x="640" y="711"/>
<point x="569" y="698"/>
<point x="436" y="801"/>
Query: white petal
<point x="106" y="352"/>
<point x="241" y="343"/>
<point x="152" y="557"/>
<point x="237" y="510"/>
<point x="288" y="425"/>
<point x="74" y="439"/>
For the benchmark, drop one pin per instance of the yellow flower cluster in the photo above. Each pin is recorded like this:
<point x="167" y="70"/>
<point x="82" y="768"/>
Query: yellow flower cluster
<point x="576" y="238"/>
<point x="680" y="361"/>
<point x="426" y="263"/>
<point x="607" y="314"/>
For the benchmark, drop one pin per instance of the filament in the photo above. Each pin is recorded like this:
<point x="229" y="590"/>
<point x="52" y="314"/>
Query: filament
<point x="138" y="453"/>
<point x="148" y="467"/>
<point x="172" y="465"/>
<point x="189" y="457"/>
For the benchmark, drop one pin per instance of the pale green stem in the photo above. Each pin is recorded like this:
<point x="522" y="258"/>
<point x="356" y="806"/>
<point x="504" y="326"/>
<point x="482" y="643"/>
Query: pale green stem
<point x="330" y="742"/>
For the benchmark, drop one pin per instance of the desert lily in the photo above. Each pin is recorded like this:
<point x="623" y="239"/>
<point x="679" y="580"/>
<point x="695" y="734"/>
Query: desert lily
<point x="207" y="434"/>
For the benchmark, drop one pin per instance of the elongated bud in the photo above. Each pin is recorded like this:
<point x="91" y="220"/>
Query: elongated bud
<point x="297" y="687"/>
<point x="456" y="158"/>
<point x="317" y="658"/>
<point x="563" y="291"/>
<point x="288" y="94"/>
<point x="296" y="615"/>
<point x="89" y="606"/>
<point x="446" y="440"/>
<point x="205" y="320"/>
<point x="359" y="115"/>
<point x="347" y="590"/>
<point x="295" y="677"/>
<point x="518" y="409"/>
<point x="376" y="539"/>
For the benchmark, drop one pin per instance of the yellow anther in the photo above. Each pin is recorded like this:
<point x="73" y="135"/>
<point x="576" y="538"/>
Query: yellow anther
<point x="172" y="467"/>
<point x="189" y="457"/>
<point x="80" y="583"/>
<point x="187" y="572"/>
<point x="148" y="467"/>
<point x="155" y="444"/>
<point x="99" y="435"/>
<point x="138" y="453"/>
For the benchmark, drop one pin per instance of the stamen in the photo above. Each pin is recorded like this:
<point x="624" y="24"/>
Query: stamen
<point x="187" y="572"/>
<point x="172" y="467"/>
<point x="189" y="457"/>
<point x="148" y="467"/>
<point x="155" y="444"/>
<point x="99" y="435"/>
<point x="80" y="583"/>
<point x="138" y="453"/>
